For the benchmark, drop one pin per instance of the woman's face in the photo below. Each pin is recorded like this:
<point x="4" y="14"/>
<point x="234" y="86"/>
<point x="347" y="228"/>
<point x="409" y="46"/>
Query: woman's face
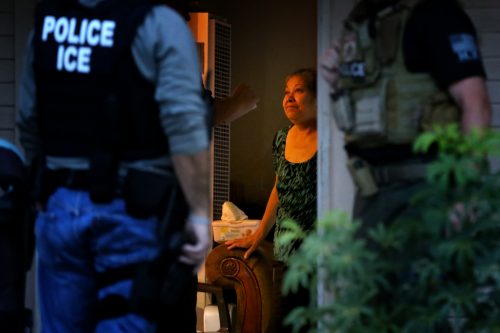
<point x="299" y="102"/>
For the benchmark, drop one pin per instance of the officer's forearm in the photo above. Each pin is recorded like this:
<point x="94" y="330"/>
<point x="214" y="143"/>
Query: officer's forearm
<point x="471" y="95"/>
<point x="193" y="174"/>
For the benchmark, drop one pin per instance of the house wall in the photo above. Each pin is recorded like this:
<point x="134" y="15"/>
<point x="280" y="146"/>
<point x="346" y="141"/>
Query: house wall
<point x="15" y="24"/>
<point x="485" y="14"/>
<point x="7" y="69"/>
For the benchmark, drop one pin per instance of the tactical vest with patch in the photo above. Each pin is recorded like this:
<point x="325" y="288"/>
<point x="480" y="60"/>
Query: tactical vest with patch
<point x="380" y="101"/>
<point x="91" y="97"/>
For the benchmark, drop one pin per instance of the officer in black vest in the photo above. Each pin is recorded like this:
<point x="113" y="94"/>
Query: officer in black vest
<point x="111" y="112"/>
<point x="16" y="239"/>
<point x="400" y="67"/>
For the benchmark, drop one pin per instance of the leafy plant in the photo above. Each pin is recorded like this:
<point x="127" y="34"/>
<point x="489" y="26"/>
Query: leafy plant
<point x="439" y="272"/>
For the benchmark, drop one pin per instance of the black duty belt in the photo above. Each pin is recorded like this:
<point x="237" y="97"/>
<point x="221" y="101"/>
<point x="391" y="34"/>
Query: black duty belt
<point x="74" y="179"/>
<point x="384" y="174"/>
<point x="77" y="180"/>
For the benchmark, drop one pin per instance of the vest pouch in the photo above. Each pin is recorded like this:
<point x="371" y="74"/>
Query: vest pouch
<point x="388" y="40"/>
<point x="439" y="110"/>
<point x="407" y="98"/>
<point x="370" y="111"/>
<point x="359" y="64"/>
<point x="342" y="112"/>
<point x="145" y="192"/>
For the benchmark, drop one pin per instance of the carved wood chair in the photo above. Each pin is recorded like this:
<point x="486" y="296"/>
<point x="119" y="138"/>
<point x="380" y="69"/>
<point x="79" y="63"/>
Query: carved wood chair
<point x="257" y="294"/>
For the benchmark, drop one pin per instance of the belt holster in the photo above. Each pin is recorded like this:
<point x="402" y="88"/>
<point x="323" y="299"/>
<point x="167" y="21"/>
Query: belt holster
<point x="362" y="176"/>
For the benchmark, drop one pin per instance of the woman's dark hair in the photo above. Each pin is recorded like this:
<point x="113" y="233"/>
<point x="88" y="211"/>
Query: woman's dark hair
<point x="308" y="75"/>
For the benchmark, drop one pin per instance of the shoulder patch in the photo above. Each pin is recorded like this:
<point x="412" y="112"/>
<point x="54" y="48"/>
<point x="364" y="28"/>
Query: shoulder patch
<point x="465" y="47"/>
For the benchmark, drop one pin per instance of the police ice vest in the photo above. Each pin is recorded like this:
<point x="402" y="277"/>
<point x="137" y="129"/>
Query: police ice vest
<point x="380" y="101"/>
<point x="90" y="94"/>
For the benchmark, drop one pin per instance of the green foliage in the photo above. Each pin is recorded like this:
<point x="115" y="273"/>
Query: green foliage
<point x="439" y="272"/>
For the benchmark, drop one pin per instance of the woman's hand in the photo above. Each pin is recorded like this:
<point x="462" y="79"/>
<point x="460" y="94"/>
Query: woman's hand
<point x="251" y="243"/>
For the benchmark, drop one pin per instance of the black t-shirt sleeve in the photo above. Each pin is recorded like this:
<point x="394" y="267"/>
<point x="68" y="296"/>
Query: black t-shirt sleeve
<point x="440" y="39"/>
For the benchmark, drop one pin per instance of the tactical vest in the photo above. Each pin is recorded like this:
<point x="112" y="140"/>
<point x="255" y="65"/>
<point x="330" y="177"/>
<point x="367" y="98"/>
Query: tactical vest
<point x="381" y="102"/>
<point x="91" y="97"/>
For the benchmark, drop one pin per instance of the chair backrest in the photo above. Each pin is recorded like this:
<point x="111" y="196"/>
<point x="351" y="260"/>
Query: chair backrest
<point x="252" y="280"/>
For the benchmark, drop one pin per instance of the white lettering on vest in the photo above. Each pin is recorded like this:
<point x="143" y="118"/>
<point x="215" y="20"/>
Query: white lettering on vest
<point x="62" y="29"/>
<point x="74" y="58"/>
<point x="92" y="37"/>
<point x="83" y="29"/>
<point x="107" y="32"/>
<point x="70" y="59"/>
<point x="48" y="26"/>
<point x="73" y="38"/>
<point x="70" y="32"/>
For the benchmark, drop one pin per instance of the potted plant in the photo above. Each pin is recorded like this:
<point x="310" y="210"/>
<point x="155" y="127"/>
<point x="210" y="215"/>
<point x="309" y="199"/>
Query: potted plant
<point x="439" y="272"/>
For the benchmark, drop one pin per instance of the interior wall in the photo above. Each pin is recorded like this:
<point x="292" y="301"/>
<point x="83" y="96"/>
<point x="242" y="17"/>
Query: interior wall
<point x="270" y="39"/>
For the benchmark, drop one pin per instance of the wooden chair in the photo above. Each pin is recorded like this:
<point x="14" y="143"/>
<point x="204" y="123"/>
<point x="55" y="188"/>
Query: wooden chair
<point x="222" y="306"/>
<point x="252" y="280"/>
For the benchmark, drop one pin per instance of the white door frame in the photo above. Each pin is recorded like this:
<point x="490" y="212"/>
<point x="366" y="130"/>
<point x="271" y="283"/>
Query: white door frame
<point x="335" y="188"/>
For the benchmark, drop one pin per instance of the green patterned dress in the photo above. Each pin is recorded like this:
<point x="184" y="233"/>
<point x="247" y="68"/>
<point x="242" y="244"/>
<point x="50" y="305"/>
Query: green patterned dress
<point x="296" y="192"/>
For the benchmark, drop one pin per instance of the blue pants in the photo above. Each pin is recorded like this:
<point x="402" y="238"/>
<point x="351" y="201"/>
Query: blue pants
<point x="77" y="240"/>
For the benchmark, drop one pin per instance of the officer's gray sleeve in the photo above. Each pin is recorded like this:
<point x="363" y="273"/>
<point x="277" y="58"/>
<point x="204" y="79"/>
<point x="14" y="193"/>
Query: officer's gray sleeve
<point x="165" y="52"/>
<point x="26" y="114"/>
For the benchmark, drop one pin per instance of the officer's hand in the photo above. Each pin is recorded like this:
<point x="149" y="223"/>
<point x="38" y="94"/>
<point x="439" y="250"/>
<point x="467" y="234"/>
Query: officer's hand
<point x="329" y="66"/>
<point x="242" y="101"/>
<point x="194" y="252"/>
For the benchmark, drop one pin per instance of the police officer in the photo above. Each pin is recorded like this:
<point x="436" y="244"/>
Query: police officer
<point x="400" y="67"/>
<point x="110" y="108"/>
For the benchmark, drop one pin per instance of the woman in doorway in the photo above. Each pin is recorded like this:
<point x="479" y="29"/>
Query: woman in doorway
<point x="294" y="160"/>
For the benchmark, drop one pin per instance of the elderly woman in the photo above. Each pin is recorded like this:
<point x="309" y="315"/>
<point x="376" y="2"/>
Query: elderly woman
<point x="294" y="160"/>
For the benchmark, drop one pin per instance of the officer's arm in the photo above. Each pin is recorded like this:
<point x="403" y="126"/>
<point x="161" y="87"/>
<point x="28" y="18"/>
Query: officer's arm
<point x="193" y="174"/>
<point x="471" y="95"/>
<point x="192" y="171"/>
<point x="242" y="101"/>
<point x="166" y="54"/>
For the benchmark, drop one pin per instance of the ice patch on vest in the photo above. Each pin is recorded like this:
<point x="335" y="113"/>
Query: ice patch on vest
<point x="76" y="39"/>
